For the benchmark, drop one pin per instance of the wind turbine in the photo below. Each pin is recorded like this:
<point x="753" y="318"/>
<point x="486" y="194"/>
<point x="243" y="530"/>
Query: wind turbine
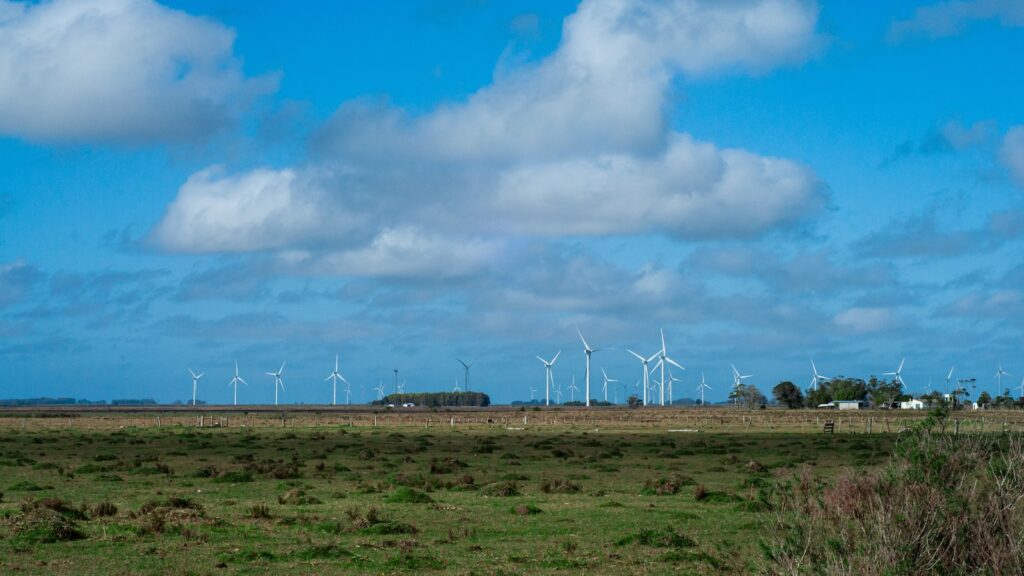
<point x="949" y="377"/>
<point x="662" y="359"/>
<point x="817" y="377"/>
<point x="999" y="375"/>
<point x="558" y="394"/>
<point x="588" y="351"/>
<point x="235" y="380"/>
<point x="898" y="374"/>
<point x="277" y="380"/>
<point x="671" y="379"/>
<point x="380" y="390"/>
<point x="737" y="380"/>
<point x="573" y="389"/>
<point x="549" y="377"/>
<point x="467" y="367"/>
<point x="533" y="392"/>
<point x="1021" y="388"/>
<point x="607" y="381"/>
<point x="703" y="386"/>
<point x="456" y="389"/>
<point x="647" y="374"/>
<point x="334" y="377"/>
<point x="195" y="382"/>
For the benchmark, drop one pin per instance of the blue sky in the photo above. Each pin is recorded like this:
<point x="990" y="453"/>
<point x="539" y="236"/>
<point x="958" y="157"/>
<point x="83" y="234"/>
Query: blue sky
<point x="770" y="181"/>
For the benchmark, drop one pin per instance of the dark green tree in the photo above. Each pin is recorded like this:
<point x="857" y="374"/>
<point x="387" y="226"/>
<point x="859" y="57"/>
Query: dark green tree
<point x="787" y="394"/>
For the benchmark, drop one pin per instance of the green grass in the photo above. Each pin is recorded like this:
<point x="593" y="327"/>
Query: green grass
<point x="411" y="500"/>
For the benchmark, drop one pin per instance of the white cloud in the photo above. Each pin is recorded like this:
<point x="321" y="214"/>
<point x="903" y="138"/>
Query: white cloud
<point x="1012" y="153"/>
<point x="258" y="210"/>
<point x="576" y="144"/>
<point x="402" y="252"/>
<point x="116" y="70"/>
<point x="950" y="18"/>
<point x="691" y="190"/>
<point x="866" y="320"/>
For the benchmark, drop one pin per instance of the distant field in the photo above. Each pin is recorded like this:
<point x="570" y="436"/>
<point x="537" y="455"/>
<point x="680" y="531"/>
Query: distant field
<point x="412" y="495"/>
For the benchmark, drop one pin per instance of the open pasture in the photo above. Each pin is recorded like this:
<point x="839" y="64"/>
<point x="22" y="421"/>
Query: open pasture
<point x="90" y="495"/>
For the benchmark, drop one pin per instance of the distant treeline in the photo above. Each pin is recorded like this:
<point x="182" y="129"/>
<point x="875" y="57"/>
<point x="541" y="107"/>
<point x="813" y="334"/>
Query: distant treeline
<point x="437" y="399"/>
<point x="74" y="401"/>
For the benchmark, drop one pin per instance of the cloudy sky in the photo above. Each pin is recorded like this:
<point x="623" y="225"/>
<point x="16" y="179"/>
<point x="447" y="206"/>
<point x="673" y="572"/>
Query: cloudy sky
<point x="189" y="183"/>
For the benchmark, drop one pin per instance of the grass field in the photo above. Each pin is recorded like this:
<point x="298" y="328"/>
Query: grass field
<point x="333" y="498"/>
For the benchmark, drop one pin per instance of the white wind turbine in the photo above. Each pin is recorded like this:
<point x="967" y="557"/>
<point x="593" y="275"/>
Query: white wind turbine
<point x="466" y="367"/>
<point x="380" y="390"/>
<point x="334" y="377"/>
<point x="607" y="381"/>
<point x="662" y="359"/>
<point x="1020" y="389"/>
<point x="195" y="383"/>
<point x="671" y="380"/>
<point x="999" y="376"/>
<point x="949" y="377"/>
<point x="549" y="376"/>
<point x="533" y="392"/>
<point x="703" y="386"/>
<point x="235" y="380"/>
<point x="588" y="351"/>
<point x="817" y="378"/>
<point x="898" y="374"/>
<point x="573" y="389"/>
<point x="456" y="389"/>
<point x="558" y="394"/>
<point x="278" y="381"/>
<point x="644" y="361"/>
<point x="737" y="380"/>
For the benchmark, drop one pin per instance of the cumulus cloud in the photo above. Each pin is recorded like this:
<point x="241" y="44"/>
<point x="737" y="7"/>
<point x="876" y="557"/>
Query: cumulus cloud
<point x="1012" y="153"/>
<point x="117" y="70"/>
<point x="256" y="210"/>
<point x="952" y="17"/>
<point x="575" y="144"/>
<point x="925" y="235"/>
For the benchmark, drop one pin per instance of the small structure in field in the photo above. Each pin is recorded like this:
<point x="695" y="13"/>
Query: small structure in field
<point x="912" y="404"/>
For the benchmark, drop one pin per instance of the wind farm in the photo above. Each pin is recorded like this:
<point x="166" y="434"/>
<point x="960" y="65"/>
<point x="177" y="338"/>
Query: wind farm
<point x="442" y="236"/>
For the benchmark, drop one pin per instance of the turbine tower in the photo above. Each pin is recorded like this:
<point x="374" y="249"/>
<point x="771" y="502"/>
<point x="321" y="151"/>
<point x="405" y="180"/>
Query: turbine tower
<point x="999" y="375"/>
<point x="949" y="377"/>
<point x="817" y="378"/>
<point x="466" y="367"/>
<point x="898" y="374"/>
<point x="737" y="380"/>
<point x="533" y="392"/>
<point x="380" y="390"/>
<point x="235" y="380"/>
<point x="662" y="359"/>
<point x="278" y="382"/>
<point x="703" y="386"/>
<point x="644" y="361"/>
<point x="1020" y="388"/>
<point x="671" y="380"/>
<point x="549" y="377"/>
<point x="195" y="383"/>
<point x="573" y="389"/>
<point x="607" y="381"/>
<point x="334" y="377"/>
<point x="588" y="351"/>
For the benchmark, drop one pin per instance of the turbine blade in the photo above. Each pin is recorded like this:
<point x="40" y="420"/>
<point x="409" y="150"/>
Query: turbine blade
<point x="642" y="359"/>
<point x="556" y="357"/>
<point x="674" y="363"/>
<point x="585" y="345"/>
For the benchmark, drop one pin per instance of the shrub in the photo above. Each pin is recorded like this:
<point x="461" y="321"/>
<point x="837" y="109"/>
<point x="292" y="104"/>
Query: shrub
<point x="943" y="505"/>
<point x="234" y="477"/>
<point x="57" y="505"/>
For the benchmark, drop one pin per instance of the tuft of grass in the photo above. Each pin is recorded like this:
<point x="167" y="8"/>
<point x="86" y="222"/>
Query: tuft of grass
<point x="526" y="510"/>
<point x="406" y="495"/>
<point x="502" y="488"/>
<point x="663" y="538"/>
<point x="560" y="486"/>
